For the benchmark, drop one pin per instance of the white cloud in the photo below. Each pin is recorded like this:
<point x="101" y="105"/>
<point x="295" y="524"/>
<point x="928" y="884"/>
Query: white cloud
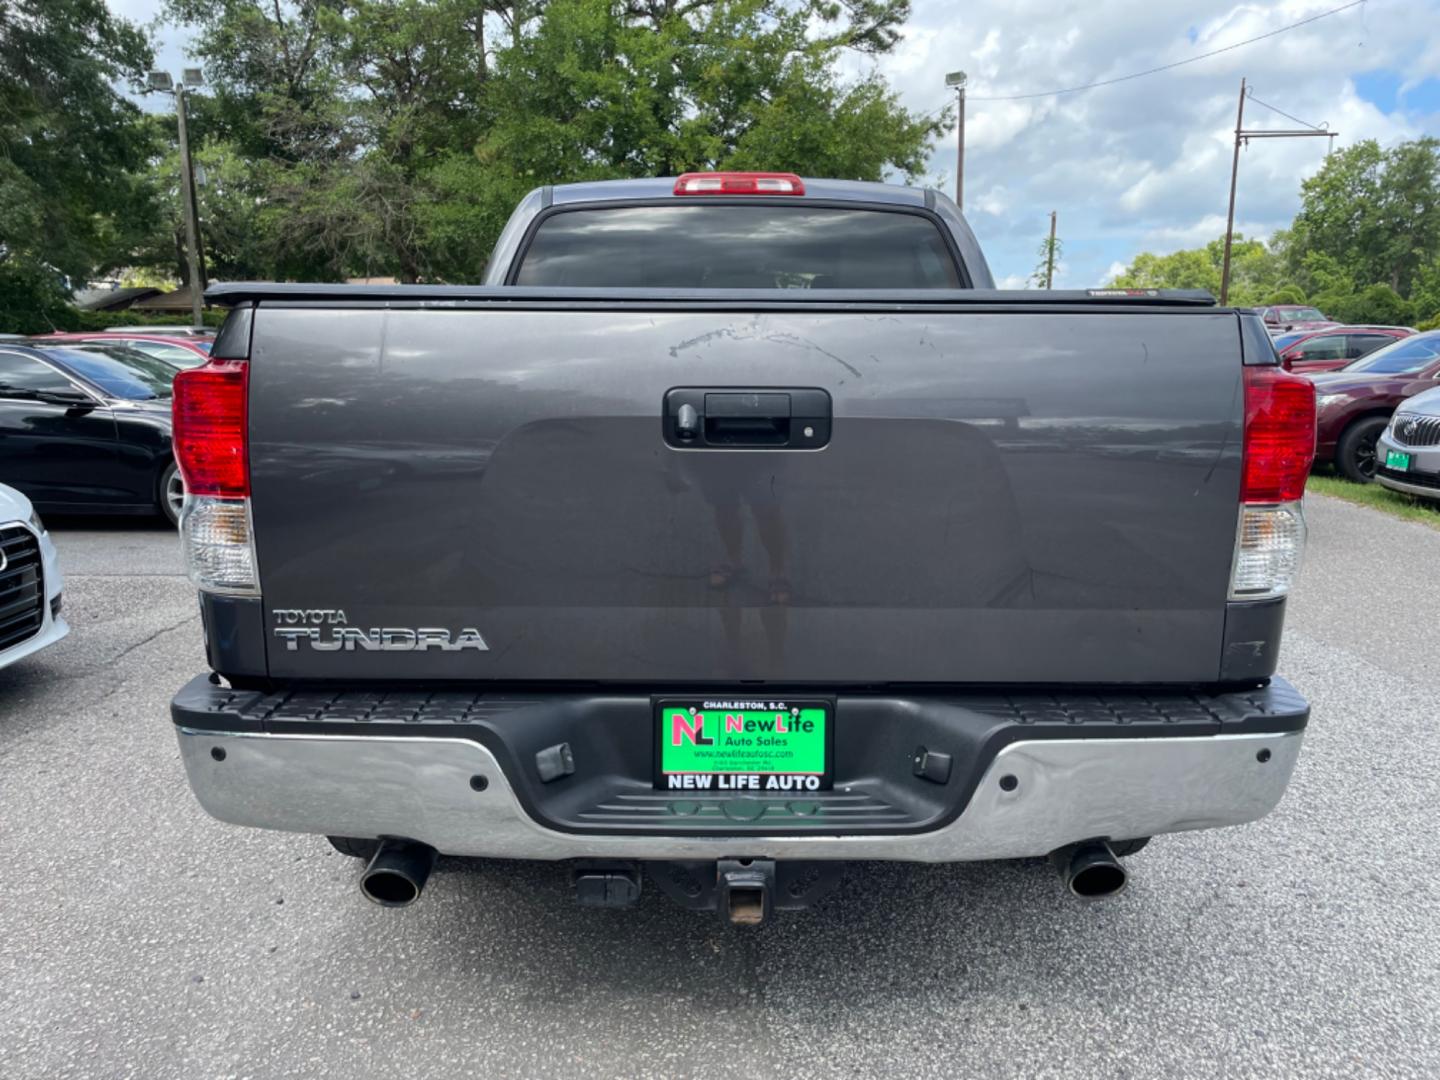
<point x="995" y="202"/>
<point x="1145" y="164"/>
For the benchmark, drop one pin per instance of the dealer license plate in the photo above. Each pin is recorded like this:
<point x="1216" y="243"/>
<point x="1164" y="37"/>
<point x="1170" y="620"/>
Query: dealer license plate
<point x="1394" y="459"/>
<point x="763" y="746"/>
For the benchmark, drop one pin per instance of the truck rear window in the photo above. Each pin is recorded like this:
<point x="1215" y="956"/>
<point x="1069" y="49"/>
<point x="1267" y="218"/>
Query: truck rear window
<point x="739" y="247"/>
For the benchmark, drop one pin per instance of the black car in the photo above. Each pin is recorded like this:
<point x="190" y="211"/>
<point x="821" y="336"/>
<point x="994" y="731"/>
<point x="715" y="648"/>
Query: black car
<point x="85" y="429"/>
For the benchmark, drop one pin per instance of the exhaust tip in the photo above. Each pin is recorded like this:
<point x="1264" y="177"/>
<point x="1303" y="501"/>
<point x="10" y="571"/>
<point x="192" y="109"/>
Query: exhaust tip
<point x="389" y="889"/>
<point x="1091" y="870"/>
<point x="397" y="874"/>
<point x="1098" y="881"/>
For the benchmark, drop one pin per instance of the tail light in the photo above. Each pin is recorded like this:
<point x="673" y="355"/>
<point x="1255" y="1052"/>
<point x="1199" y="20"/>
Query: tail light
<point x="739" y="183"/>
<point x="210" y="436"/>
<point x="1279" y="447"/>
<point x="212" y="451"/>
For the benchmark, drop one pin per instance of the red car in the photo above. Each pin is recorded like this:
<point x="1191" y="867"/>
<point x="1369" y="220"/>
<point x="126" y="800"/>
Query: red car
<point x="1282" y="318"/>
<point x="1327" y="350"/>
<point x="1353" y="406"/>
<point x="178" y="352"/>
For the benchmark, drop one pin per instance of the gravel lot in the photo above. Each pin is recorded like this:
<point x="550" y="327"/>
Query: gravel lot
<point x="140" y="938"/>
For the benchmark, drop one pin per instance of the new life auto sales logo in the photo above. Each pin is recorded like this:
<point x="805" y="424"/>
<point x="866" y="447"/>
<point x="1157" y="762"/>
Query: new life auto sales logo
<point x="329" y="630"/>
<point x="743" y="746"/>
<point x="692" y="726"/>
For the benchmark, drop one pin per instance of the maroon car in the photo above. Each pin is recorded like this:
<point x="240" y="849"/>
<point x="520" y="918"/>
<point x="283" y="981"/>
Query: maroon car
<point x="1353" y="405"/>
<point x="1283" y="318"/>
<point x="1307" y="352"/>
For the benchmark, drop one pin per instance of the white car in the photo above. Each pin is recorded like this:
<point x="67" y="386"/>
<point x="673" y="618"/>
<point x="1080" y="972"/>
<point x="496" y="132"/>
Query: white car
<point x="30" y="581"/>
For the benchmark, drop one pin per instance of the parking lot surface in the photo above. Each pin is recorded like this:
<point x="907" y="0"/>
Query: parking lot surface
<point x="140" y="938"/>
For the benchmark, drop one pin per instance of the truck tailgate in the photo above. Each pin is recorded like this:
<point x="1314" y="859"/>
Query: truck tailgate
<point x="1007" y="496"/>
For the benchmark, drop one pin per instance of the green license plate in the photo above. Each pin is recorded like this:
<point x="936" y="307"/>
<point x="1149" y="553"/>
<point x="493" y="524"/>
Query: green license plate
<point x="1394" y="459"/>
<point x="743" y="745"/>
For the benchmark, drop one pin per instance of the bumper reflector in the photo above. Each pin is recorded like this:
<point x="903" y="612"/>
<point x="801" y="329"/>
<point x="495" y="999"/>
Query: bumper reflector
<point x="1268" y="546"/>
<point x="219" y="545"/>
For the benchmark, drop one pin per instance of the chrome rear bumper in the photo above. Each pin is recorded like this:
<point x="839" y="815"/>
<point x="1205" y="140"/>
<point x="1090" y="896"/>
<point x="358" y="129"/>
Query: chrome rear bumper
<point x="420" y="788"/>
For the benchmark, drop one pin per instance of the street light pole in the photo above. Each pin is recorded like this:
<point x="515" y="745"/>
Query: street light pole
<point x="162" y="82"/>
<point x="192" y="217"/>
<point x="957" y="80"/>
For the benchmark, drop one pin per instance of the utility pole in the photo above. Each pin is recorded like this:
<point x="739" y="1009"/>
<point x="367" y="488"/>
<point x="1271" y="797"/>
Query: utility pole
<point x="1050" y="253"/>
<point x="162" y="82"/>
<point x="1243" y="136"/>
<point x="192" y="216"/>
<point x="1230" y="215"/>
<point x="957" y="80"/>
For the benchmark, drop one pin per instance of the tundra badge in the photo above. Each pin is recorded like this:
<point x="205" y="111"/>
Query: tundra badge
<point x="328" y="630"/>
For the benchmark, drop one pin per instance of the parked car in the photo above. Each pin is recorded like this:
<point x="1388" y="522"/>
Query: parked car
<point x="1330" y="350"/>
<point x="732" y="581"/>
<point x="1280" y="318"/>
<point x="1354" y="405"/>
<point x="85" y="429"/>
<point x="168" y="331"/>
<point x="31" y="586"/>
<point x="179" y="352"/>
<point x="1408" y="453"/>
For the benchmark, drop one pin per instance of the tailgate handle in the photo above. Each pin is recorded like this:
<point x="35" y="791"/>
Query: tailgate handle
<point x="764" y="406"/>
<point x="747" y="419"/>
<point x="769" y="418"/>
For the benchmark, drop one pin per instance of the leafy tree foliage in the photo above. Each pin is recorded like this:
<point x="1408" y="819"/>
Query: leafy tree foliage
<point x="1378" y="211"/>
<point x="392" y="137"/>
<point x="1255" y="271"/>
<point x="72" y="194"/>
<point x="1041" y="277"/>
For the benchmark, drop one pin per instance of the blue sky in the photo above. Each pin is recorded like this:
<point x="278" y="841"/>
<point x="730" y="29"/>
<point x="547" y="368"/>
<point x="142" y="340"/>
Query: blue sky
<point x="1143" y="165"/>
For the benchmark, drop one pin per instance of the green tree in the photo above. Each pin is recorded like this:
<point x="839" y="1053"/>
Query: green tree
<point x="71" y="149"/>
<point x="1377" y="211"/>
<point x="1286" y="294"/>
<point x="1049" y="253"/>
<point x="1425" y="293"/>
<point x="394" y="136"/>
<point x="1256" y="271"/>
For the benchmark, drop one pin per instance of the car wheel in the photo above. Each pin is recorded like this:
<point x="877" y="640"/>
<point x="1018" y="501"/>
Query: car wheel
<point x="1355" y="453"/>
<point x="172" y="493"/>
<point x="354" y="847"/>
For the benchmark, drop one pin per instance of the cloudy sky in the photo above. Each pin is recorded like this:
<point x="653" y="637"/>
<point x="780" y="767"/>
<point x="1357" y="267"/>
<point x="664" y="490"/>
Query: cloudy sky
<point x="1143" y="164"/>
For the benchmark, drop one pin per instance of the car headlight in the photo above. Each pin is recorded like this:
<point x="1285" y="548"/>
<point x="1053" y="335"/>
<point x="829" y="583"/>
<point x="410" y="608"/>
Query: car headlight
<point x="36" y="523"/>
<point x="1324" y="401"/>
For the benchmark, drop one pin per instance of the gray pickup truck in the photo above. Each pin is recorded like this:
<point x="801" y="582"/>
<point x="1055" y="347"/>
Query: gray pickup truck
<point x="738" y="526"/>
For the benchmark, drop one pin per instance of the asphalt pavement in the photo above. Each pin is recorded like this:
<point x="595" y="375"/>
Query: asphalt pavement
<point x="140" y="938"/>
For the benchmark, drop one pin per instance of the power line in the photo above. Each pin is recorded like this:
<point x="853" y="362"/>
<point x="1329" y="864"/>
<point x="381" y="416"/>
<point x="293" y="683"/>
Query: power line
<point x="1164" y="67"/>
<point x="1282" y="112"/>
